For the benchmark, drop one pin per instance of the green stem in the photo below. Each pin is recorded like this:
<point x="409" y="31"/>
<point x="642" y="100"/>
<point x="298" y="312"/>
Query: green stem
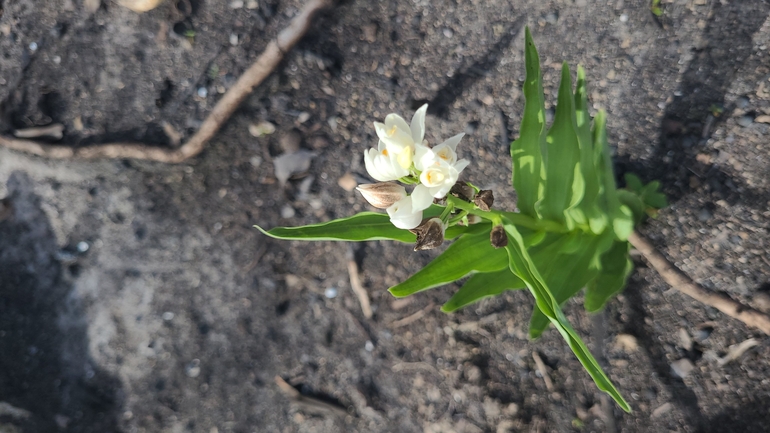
<point x="458" y="218"/>
<point x="515" y="218"/>
<point x="447" y="210"/>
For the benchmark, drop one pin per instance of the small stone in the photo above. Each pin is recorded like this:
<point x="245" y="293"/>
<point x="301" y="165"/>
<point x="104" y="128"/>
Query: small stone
<point x="33" y="46"/>
<point x="347" y="182"/>
<point x="255" y="161"/>
<point x="233" y="39"/>
<point x="252" y="4"/>
<point x="448" y="33"/>
<point x="369" y="346"/>
<point x="552" y="18"/>
<point x="745" y="121"/>
<point x="626" y="343"/>
<point x="82" y="246"/>
<point x="488" y="100"/>
<point x="193" y="369"/>
<point x="661" y="410"/>
<point x="289" y="164"/>
<point x="287" y="212"/>
<point x="762" y="302"/>
<point x="704" y="215"/>
<point x="330" y="292"/>
<point x="319" y="142"/>
<point x="290" y="141"/>
<point x="762" y="119"/>
<point x="203" y="92"/>
<point x="236" y="4"/>
<point x="303" y="117"/>
<point x="369" y="32"/>
<point x="682" y="368"/>
<point x="623" y="18"/>
<point x="742" y="102"/>
<point x="261" y="128"/>
<point x="168" y="316"/>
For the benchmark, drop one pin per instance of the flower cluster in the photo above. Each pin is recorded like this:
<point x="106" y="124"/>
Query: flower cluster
<point x="403" y="154"/>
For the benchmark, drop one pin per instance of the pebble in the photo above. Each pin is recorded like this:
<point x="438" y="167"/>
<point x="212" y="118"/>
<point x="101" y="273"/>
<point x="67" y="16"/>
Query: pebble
<point x="82" y="246"/>
<point x="255" y="161"/>
<point x="261" y="128"/>
<point x="233" y="39"/>
<point x="704" y="215"/>
<point x="448" y="33"/>
<point x="745" y="121"/>
<point x="290" y="141"/>
<point x="252" y="4"/>
<point x="623" y="18"/>
<point x="347" y="182"/>
<point x="742" y="102"/>
<point x="236" y="4"/>
<point x="33" y="46"/>
<point x="682" y="368"/>
<point x="203" y="92"/>
<point x="168" y="316"/>
<point x="193" y="369"/>
<point x="369" y="346"/>
<point x="552" y="18"/>
<point x="287" y="212"/>
<point x="330" y="292"/>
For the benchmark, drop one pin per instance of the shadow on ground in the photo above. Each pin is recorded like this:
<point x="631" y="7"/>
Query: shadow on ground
<point x="45" y="368"/>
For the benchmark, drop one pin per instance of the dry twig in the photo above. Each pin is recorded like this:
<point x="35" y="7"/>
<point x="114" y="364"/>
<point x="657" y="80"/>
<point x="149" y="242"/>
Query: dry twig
<point x="358" y="288"/>
<point x="543" y="371"/>
<point x="307" y="402"/>
<point x="257" y="72"/>
<point x="680" y="281"/>
<point x="412" y="318"/>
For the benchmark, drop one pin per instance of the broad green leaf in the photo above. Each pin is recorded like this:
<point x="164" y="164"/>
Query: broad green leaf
<point x="481" y="286"/>
<point x="567" y="272"/>
<point x="588" y="211"/>
<point x="620" y="215"/>
<point x="521" y="264"/>
<point x="634" y="202"/>
<point x="564" y="185"/>
<point x="616" y="266"/>
<point x="470" y="253"/>
<point x="364" y="226"/>
<point x="633" y="183"/>
<point x="526" y="156"/>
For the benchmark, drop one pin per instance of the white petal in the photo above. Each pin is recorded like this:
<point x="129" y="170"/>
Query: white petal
<point x="421" y="197"/>
<point x="418" y="124"/>
<point x="402" y="215"/>
<point x="394" y="119"/>
<point x="452" y="142"/>
<point x="461" y="164"/>
<point x="371" y="168"/>
<point x="420" y="153"/>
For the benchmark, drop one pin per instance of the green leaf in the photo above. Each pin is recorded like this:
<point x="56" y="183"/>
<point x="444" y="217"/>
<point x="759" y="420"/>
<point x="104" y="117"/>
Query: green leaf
<point x="588" y="211"/>
<point x="634" y="202"/>
<point x="567" y="271"/>
<point x="481" y="286"/>
<point x="564" y="185"/>
<point x="526" y="156"/>
<point x="364" y="226"/>
<point x="633" y="183"/>
<point x="521" y="264"/>
<point x="620" y="215"/>
<point x="470" y="253"/>
<point x="616" y="267"/>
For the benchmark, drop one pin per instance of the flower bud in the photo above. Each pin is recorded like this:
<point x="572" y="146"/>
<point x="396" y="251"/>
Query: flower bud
<point x="484" y="199"/>
<point x="497" y="237"/>
<point x="430" y="234"/>
<point x="382" y="195"/>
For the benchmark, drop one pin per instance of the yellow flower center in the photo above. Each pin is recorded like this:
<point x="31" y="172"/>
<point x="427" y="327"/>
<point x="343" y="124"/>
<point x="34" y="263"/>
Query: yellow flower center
<point x="405" y="157"/>
<point x="435" y="177"/>
<point x="392" y="131"/>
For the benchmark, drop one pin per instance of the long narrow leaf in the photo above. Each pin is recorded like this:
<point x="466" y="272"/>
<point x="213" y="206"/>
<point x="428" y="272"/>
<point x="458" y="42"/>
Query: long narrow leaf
<point x="620" y="215"/>
<point x="480" y="286"/>
<point x="526" y="157"/>
<point x="521" y="264"/>
<point x="616" y="267"/>
<point x="564" y="185"/>
<point x="364" y="226"/>
<point x="470" y="253"/>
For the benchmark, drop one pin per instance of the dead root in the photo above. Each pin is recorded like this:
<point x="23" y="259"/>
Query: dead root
<point x="681" y="282"/>
<point x="252" y="77"/>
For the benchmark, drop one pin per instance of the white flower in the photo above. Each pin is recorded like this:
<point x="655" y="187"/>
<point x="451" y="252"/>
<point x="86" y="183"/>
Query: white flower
<point x="440" y="170"/>
<point x="400" y="138"/>
<point x="403" y="215"/>
<point x="382" y="164"/>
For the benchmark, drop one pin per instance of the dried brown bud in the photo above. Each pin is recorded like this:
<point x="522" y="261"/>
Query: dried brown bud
<point x="497" y="237"/>
<point x="484" y="199"/>
<point x="430" y="234"/>
<point x="462" y="191"/>
<point x="382" y="195"/>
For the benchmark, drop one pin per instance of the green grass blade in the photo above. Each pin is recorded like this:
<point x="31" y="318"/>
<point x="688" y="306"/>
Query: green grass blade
<point x="564" y="185"/>
<point x="470" y="253"/>
<point x="526" y="153"/>
<point x="480" y="286"/>
<point x="521" y="264"/>
<point x="620" y="215"/>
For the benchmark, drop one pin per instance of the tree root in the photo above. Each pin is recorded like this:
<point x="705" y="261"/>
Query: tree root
<point x="681" y="282"/>
<point x="224" y="108"/>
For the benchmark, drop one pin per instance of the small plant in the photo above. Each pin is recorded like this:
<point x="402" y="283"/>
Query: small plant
<point x="570" y="232"/>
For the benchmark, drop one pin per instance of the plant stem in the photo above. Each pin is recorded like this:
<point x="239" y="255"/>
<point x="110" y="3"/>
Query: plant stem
<point x="517" y="219"/>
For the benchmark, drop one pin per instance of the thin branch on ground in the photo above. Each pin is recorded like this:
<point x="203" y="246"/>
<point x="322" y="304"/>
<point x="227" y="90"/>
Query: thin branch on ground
<point x="224" y="108"/>
<point x="681" y="282"/>
<point x="358" y="288"/>
<point x="412" y="318"/>
<point x="543" y="371"/>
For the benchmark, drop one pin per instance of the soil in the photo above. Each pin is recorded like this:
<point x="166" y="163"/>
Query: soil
<point x="137" y="297"/>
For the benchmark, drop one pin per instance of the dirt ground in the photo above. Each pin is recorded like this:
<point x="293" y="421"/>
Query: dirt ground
<point x="137" y="297"/>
